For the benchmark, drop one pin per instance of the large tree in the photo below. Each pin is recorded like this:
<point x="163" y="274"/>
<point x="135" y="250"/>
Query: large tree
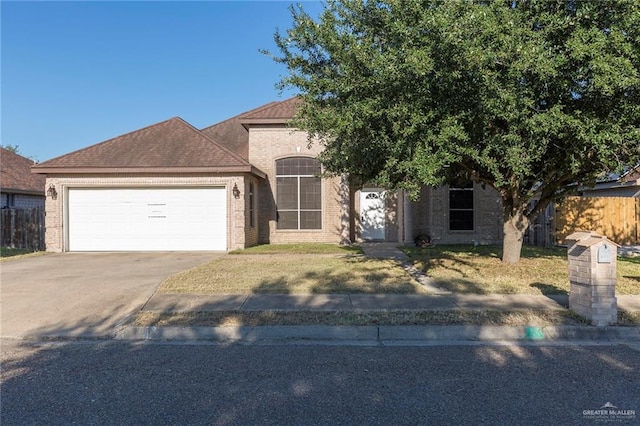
<point x="530" y="97"/>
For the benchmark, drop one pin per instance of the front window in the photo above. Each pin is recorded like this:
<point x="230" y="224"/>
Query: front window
<point x="251" y="205"/>
<point x="298" y="193"/>
<point x="461" y="208"/>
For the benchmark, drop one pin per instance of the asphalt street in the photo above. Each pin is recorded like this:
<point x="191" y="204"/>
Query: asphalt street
<point x="109" y="382"/>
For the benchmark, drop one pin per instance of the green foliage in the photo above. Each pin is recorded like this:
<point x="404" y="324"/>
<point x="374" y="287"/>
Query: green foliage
<point x="13" y="148"/>
<point x="526" y="96"/>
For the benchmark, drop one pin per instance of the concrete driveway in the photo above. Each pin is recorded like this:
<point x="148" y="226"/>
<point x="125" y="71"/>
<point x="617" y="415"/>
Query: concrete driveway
<point x="82" y="294"/>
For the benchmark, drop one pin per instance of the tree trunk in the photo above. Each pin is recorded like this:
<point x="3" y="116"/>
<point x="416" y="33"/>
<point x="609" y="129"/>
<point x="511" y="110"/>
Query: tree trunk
<point x="514" y="228"/>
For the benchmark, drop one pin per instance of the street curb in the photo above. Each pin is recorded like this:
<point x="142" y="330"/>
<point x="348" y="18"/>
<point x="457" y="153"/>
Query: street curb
<point x="382" y="333"/>
<point x="249" y="334"/>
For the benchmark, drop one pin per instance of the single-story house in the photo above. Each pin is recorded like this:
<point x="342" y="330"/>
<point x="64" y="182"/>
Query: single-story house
<point x="623" y="185"/>
<point x="251" y="179"/>
<point x="19" y="188"/>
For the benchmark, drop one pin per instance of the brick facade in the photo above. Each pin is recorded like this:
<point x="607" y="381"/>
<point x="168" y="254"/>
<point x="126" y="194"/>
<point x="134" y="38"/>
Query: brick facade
<point x="238" y="235"/>
<point x="269" y="143"/>
<point x="592" y="281"/>
<point x="245" y="158"/>
<point x="430" y="215"/>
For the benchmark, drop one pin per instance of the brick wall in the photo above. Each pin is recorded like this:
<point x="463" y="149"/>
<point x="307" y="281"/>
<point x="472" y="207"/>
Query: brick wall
<point x="270" y="143"/>
<point x="592" y="284"/>
<point x="54" y="221"/>
<point x="430" y="216"/>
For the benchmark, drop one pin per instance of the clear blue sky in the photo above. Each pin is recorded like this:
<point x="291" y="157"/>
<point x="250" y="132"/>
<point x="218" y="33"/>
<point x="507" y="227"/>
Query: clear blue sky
<point x="78" y="73"/>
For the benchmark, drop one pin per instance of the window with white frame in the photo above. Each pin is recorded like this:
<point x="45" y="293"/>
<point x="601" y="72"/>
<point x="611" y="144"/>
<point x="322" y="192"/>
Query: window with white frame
<point x="298" y="193"/>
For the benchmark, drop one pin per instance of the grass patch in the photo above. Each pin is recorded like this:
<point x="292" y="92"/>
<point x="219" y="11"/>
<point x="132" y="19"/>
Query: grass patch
<point x="293" y="274"/>
<point x="300" y="248"/>
<point x="8" y="252"/>
<point x="629" y="318"/>
<point x="479" y="270"/>
<point x="343" y="318"/>
<point x="331" y="268"/>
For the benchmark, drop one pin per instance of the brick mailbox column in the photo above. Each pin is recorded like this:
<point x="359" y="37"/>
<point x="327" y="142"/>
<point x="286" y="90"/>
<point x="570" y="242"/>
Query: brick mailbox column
<point x="592" y="275"/>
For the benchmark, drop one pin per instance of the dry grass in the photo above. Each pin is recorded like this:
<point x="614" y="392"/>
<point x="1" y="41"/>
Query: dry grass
<point x="300" y="248"/>
<point x="293" y="274"/>
<point x="479" y="270"/>
<point x="327" y="268"/>
<point x="344" y="318"/>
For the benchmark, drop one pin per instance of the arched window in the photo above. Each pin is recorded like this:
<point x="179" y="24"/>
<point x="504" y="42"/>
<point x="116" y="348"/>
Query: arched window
<point x="298" y="193"/>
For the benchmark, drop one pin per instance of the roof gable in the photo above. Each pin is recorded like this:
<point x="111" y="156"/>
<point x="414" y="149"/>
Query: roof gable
<point x="171" y="145"/>
<point x="15" y="174"/>
<point x="232" y="134"/>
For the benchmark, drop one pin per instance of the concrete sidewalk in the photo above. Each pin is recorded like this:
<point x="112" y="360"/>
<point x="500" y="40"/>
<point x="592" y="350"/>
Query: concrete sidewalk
<point x="436" y="300"/>
<point x="173" y="303"/>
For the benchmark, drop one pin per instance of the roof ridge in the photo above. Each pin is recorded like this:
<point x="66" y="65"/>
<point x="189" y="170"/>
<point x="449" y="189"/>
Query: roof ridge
<point x="240" y="115"/>
<point x="267" y="106"/>
<point x="260" y="108"/>
<point x="6" y="151"/>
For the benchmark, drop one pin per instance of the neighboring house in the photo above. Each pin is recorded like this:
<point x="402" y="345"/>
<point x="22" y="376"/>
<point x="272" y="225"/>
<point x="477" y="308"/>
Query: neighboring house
<point x="611" y="207"/>
<point x="248" y="180"/>
<point x="625" y="185"/>
<point x="19" y="188"/>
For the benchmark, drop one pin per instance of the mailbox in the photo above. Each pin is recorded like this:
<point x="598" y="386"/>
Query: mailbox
<point x="605" y="253"/>
<point x="592" y="277"/>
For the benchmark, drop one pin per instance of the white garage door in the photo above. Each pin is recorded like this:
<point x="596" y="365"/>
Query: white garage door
<point x="141" y="219"/>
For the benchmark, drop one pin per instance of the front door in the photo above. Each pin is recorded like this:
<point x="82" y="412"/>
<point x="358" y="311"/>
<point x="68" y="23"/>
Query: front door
<point x="372" y="217"/>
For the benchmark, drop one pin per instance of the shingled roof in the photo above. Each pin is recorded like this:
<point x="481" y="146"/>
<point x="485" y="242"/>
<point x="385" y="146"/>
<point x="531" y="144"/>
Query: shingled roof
<point x="273" y="113"/>
<point x="232" y="133"/>
<point x="169" y="146"/>
<point x="16" y="177"/>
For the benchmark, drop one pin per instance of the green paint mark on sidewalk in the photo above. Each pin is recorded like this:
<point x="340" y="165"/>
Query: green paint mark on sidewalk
<point x="534" y="333"/>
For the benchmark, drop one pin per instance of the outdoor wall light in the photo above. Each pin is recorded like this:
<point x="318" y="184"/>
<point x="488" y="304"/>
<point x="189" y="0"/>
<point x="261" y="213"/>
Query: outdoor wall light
<point x="236" y="191"/>
<point x="51" y="192"/>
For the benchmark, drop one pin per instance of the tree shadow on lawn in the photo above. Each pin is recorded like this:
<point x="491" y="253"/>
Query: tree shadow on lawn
<point x="622" y="261"/>
<point x="549" y="289"/>
<point x="460" y="285"/>
<point x="446" y="257"/>
<point x="364" y="276"/>
<point x="278" y="285"/>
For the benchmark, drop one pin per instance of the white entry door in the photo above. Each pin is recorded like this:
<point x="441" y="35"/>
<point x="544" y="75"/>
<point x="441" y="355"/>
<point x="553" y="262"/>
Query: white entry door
<point x="372" y="214"/>
<point x="147" y="219"/>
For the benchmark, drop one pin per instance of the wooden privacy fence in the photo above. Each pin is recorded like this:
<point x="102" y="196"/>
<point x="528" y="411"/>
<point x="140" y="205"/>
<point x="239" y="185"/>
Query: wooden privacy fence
<point x="22" y="228"/>
<point x="617" y="218"/>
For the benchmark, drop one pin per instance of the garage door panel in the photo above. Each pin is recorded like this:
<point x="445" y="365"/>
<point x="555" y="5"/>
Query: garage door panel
<point x="141" y="219"/>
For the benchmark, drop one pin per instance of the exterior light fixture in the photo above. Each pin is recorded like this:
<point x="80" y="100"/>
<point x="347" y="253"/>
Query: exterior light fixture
<point x="51" y="192"/>
<point x="236" y="191"/>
